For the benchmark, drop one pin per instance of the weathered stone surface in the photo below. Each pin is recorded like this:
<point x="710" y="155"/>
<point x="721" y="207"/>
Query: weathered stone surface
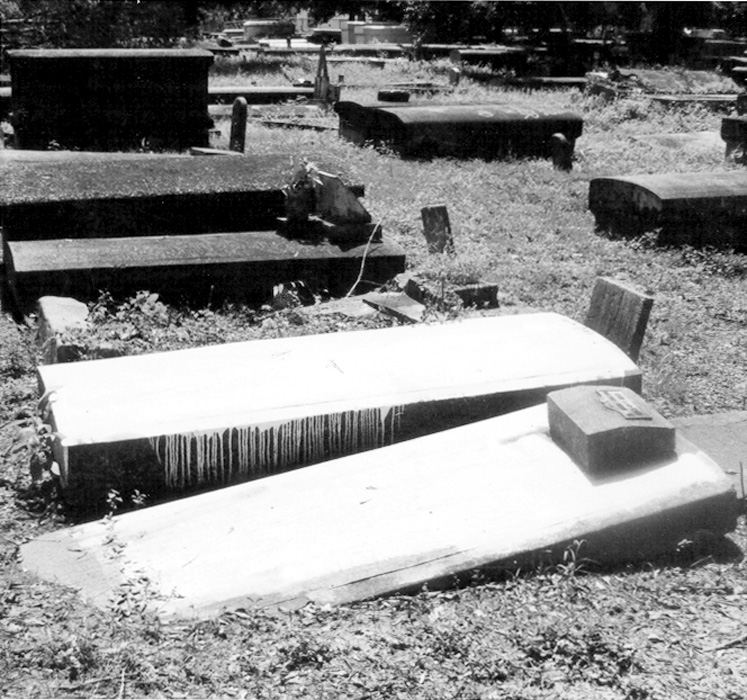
<point x="200" y="269"/>
<point x="482" y="295"/>
<point x="237" y="140"/>
<point x="110" y="99"/>
<point x="605" y="429"/>
<point x="138" y="195"/>
<point x="686" y="208"/>
<point x="437" y="229"/>
<point x="105" y="412"/>
<point x="396" y="304"/>
<point x="464" y="131"/>
<point x="57" y="317"/>
<point x="495" y="495"/>
<point x="620" y="313"/>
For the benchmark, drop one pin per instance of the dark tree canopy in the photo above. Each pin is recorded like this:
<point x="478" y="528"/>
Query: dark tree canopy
<point x="100" y="23"/>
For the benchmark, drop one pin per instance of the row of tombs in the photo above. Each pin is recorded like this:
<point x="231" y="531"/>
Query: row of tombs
<point x="434" y="470"/>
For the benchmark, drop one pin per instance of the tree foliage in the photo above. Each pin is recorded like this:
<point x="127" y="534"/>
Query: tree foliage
<point x="102" y="23"/>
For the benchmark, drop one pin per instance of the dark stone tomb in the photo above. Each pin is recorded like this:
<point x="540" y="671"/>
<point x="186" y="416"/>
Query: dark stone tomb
<point x="196" y="229"/>
<point x="462" y="131"/>
<point x="697" y="209"/>
<point x="116" y="195"/>
<point x="110" y="99"/>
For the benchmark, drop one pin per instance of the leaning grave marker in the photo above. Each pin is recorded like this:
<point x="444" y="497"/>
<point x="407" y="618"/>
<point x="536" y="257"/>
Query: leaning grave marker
<point x="110" y="99"/>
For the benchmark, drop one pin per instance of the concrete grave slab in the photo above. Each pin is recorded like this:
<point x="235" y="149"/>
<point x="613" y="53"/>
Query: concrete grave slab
<point x="464" y="131"/>
<point x="196" y="269"/>
<point x="688" y="208"/>
<point x="140" y="195"/>
<point x="219" y="414"/>
<point x="496" y="494"/>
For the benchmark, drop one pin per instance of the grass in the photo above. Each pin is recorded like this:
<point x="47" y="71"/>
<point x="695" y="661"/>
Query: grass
<point x="668" y="630"/>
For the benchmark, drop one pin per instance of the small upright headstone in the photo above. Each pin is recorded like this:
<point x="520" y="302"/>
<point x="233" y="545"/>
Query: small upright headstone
<point x="608" y="428"/>
<point x="437" y="229"/>
<point x="238" y="125"/>
<point x="562" y="152"/>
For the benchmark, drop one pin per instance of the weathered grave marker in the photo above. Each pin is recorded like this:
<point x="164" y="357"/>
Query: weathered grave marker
<point x="562" y="152"/>
<point x="608" y="429"/>
<point x="464" y="131"/>
<point x="199" y="269"/>
<point x="620" y="313"/>
<point x="498" y="494"/>
<point x="686" y="208"/>
<point x="237" y="141"/>
<point x="437" y="229"/>
<point x="117" y="195"/>
<point x="110" y="99"/>
<point x="211" y="416"/>
<point x="200" y="229"/>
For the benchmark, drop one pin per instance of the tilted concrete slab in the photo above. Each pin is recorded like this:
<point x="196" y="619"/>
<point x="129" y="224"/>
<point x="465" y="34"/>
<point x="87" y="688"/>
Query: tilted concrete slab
<point x="239" y="411"/>
<point x="497" y="494"/>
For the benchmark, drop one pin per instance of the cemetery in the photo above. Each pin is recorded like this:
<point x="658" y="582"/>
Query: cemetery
<point x="354" y="370"/>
